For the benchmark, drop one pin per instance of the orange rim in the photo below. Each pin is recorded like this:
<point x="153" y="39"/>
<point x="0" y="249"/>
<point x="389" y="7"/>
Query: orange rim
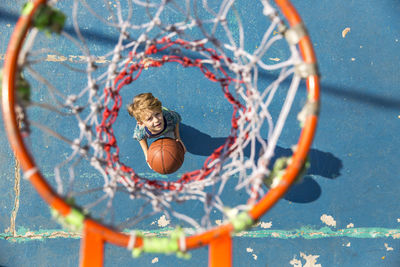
<point x="107" y="234"/>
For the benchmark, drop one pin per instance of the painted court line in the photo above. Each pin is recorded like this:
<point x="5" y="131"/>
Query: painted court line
<point x="24" y="235"/>
<point x="17" y="180"/>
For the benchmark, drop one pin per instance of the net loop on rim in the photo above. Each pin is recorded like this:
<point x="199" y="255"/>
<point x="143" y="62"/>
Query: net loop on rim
<point x="173" y="244"/>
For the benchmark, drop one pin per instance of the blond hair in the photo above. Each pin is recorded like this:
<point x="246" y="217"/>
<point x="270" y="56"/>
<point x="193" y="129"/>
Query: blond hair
<point x="142" y="103"/>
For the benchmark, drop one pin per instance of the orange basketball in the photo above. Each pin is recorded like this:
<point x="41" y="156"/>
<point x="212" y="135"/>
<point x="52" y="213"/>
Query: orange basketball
<point x="165" y="155"/>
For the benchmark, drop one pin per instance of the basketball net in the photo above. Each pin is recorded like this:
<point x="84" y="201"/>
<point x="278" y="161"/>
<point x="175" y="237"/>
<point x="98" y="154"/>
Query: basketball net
<point x="84" y="185"/>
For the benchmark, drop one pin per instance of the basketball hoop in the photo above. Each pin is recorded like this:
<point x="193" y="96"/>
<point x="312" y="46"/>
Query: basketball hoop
<point x="205" y="36"/>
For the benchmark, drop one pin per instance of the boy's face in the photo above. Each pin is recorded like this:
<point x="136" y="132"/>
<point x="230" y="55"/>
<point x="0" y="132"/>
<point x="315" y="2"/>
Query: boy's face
<point x="153" y="120"/>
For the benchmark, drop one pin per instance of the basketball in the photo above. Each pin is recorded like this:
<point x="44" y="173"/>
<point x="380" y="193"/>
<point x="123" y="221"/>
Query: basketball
<point x="165" y="155"/>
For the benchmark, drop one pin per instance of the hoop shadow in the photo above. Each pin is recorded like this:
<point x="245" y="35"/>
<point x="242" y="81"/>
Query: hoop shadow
<point x="323" y="164"/>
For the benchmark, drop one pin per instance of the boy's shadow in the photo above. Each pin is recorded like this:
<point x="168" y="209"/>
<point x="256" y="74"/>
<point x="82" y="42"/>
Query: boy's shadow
<point x="324" y="164"/>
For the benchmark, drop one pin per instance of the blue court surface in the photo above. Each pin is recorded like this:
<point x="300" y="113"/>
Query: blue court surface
<point x="345" y="211"/>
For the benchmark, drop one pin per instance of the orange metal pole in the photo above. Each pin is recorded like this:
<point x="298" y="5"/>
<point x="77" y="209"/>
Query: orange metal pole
<point x="220" y="251"/>
<point x="205" y="238"/>
<point x="92" y="247"/>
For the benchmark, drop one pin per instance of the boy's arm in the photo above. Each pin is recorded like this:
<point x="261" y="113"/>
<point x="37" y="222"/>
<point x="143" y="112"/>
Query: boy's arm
<point x="178" y="137"/>
<point x="144" y="146"/>
<point x="176" y="131"/>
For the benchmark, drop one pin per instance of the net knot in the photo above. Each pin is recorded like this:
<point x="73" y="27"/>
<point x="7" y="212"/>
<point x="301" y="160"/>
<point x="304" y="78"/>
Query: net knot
<point x="128" y="80"/>
<point x="187" y="62"/>
<point x="151" y="50"/>
<point x="106" y="113"/>
<point x="211" y="76"/>
<point x="165" y="39"/>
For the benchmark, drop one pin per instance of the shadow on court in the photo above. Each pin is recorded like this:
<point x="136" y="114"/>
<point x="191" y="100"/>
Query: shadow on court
<point x="323" y="164"/>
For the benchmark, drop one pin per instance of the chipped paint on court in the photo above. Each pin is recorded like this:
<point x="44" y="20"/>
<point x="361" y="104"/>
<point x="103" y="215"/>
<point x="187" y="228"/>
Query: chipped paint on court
<point x="310" y="261"/>
<point x="328" y="220"/>
<point x="250" y="250"/>
<point x="345" y="32"/>
<point x="388" y="248"/>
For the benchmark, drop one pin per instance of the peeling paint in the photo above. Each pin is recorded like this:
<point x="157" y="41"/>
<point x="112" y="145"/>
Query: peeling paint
<point x="295" y="262"/>
<point x="275" y="59"/>
<point x="162" y="222"/>
<point x="72" y="59"/>
<point x="347" y="245"/>
<point x="328" y="220"/>
<point x="250" y="250"/>
<point x="266" y="225"/>
<point x="345" y="32"/>
<point x="155" y="260"/>
<point x="388" y="248"/>
<point x="311" y="261"/>
<point x="350" y="225"/>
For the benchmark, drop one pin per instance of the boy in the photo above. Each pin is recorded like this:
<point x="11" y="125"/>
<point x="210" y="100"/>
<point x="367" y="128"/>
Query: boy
<point x="153" y="120"/>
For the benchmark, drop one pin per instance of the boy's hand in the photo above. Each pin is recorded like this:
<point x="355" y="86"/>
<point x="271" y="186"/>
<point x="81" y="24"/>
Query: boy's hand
<point x="148" y="164"/>
<point x="180" y="141"/>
